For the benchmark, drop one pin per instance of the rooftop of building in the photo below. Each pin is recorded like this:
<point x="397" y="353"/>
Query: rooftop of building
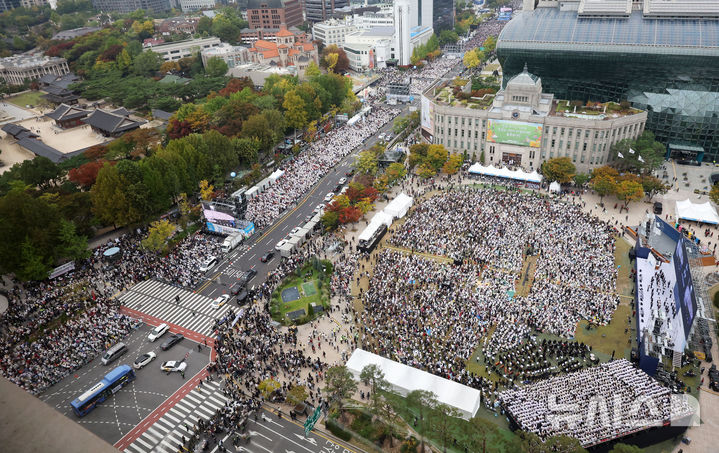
<point x="551" y="28"/>
<point x="457" y="93"/>
<point x="257" y="4"/>
<point x="28" y="61"/>
<point x="186" y="42"/>
<point x="74" y="33"/>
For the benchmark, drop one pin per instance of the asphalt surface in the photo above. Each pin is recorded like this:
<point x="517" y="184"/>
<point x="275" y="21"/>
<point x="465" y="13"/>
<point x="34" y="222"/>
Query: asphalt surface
<point x="247" y="256"/>
<point x="112" y="419"/>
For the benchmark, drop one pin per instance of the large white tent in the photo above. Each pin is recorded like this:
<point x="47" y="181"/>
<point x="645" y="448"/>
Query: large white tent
<point x="698" y="212"/>
<point x="491" y="170"/>
<point x="374" y="224"/>
<point x="404" y="379"/>
<point x="555" y="187"/>
<point x="398" y="207"/>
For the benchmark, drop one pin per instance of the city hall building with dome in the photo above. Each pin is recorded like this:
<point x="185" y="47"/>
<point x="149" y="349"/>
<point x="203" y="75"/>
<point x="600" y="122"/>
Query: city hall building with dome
<point x="662" y="56"/>
<point x="522" y="126"/>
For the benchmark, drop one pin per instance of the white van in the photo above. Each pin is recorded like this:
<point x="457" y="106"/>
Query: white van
<point x="114" y="353"/>
<point x="158" y="331"/>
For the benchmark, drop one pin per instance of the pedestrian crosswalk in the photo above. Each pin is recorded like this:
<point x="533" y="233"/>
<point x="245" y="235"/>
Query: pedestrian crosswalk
<point x="193" y="311"/>
<point x="166" y="434"/>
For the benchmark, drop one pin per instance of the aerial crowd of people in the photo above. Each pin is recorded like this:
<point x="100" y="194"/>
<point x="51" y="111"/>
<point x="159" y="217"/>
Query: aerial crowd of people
<point x="37" y="361"/>
<point x="312" y="164"/>
<point x="479" y="249"/>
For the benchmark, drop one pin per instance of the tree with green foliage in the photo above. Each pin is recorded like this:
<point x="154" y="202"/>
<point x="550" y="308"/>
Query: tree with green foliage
<point x="395" y="172"/>
<point x="628" y="191"/>
<point x="159" y="233"/>
<point x="580" y="179"/>
<point x="216" y="67"/>
<point x="423" y="402"/>
<point x="604" y="185"/>
<point x="295" y="111"/>
<point x="642" y="155"/>
<point x="330" y="220"/>
<point x="312" y="70"/>
<point x="366" y="163"/>
<point x="448" y="37"/>
<point x="373" y="376"/>
<point x="297" y="394"/>
<point x="441" y="422"/>
<point x="560" y="169"/>
<point x="714" y="193"/>
<point x="268" y="387"/>
<point x="453" y="164"/>
<point x="653" y="186"/>
<point x="471" y="59"/>
<point x="147" y="63"/>
<point x="339" y="385"/>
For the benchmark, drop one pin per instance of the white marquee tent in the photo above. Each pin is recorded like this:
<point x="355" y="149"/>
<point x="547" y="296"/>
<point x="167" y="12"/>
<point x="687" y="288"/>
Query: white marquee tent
<point x="491" y="170"/>
<point x="398" y="207"/>
<point x="555" y="187"/>
<point x="698" y="212"/>
<point x="374" y="224"/>
<point x="404" y="379"/>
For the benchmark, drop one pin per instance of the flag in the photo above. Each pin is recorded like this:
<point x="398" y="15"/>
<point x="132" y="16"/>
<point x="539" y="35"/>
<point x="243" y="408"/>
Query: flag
<point x="631" y="151"/>
<point x="640" y="159"/>
<point x="620" y="155"/>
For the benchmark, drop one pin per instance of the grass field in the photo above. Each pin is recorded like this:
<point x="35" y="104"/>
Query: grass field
<point x="33" y="98"/>
<point x="311" y="293"/>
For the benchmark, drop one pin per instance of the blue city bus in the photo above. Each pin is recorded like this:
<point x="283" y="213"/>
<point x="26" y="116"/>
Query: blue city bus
<point x="110" y="384"/>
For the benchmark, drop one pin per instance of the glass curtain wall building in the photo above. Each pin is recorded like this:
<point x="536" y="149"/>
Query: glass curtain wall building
<point x="442" y="15"/>
<point x="664" y="64"/>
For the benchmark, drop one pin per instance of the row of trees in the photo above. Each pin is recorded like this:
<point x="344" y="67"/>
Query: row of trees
<point x="349" y="207"/>
<point x="478" y="55"/>
<point x="429" y="50"/>
<point x="131" y="192"/>
<point x="431" y="159"/>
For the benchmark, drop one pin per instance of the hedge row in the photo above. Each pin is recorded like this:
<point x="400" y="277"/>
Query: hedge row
<point x="337" y="430"/>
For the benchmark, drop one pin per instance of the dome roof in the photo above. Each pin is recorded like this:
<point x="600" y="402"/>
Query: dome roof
<point x="524" y="78"/>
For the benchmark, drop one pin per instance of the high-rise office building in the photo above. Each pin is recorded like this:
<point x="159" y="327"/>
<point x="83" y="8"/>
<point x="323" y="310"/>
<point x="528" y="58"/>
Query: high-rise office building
<point x="128" y="6"/>
<point x="319" y="10"/>
<point x="443" y="15"/>
<point x="661" y="56"/>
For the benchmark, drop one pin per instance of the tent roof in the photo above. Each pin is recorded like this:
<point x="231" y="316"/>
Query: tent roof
<point x="406" y="379"/>
<point x="699" y="212"/>
<point x="504" y="172"/>
<point x="555" y="187"/>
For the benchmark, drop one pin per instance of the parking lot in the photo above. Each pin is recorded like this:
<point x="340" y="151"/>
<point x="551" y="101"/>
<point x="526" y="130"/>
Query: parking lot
<point x="121" y="412"/>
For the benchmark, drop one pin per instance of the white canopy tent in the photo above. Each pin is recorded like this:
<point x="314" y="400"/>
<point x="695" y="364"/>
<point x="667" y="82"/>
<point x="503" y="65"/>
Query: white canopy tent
<point x="555" y="187"/>
<point x="374" y="224"/>
<point x="404" y="379"/>
<point x="398" y="207"/>
<point x="698" y="212"/>
<point x="491" y="170"/>
<point x="276" y="175"/>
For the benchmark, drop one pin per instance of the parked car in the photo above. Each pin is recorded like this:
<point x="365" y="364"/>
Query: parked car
<point x="267" y="256"/>
<point x="329" y="197"/>
<point x="158" y="331"/>
<point x="208" y="264"/>
<point x="220" y="301"/>
<point x="172" y="341"/>
<point x="144" y="359"/>
<point x="658" y="208"/>
<point x="295" y="230"/>
<point x="173" y="365"/>
<point x="342" y="180"/>
<point x="350" y="172"/>
<point x="247" y="276"/>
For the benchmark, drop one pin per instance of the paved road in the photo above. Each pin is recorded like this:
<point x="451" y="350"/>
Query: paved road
<point x="247" y="256"/>
<point x="118" y="415"/>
